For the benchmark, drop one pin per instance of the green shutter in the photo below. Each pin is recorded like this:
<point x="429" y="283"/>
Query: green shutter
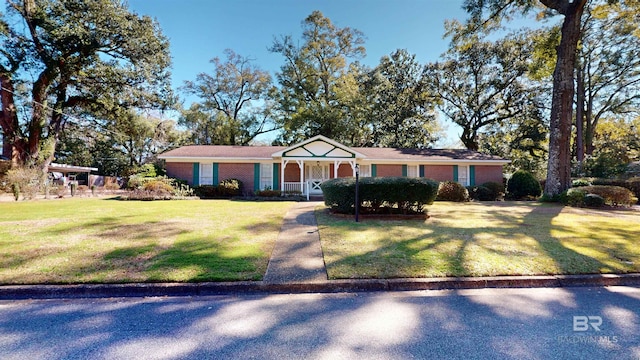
<point x="374" y="170"/>
<point x="421" y="170"/>
<point x="215" y="174"/>
<point x="472" y="175"/>
<point x="196" y="174"/>
<point x="404" y="170"/>
<point x="256" y="176"/>
<point x="276" y="176"/>
<point x="455" y="173"/>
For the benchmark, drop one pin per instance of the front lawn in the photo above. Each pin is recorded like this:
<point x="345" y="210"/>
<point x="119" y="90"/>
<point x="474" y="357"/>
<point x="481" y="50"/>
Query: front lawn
<point x="483" y="239"/>
<point x="97" y="240"/>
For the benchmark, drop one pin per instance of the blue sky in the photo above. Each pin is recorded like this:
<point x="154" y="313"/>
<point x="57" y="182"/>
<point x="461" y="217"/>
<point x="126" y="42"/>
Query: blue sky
<point x="201" y="29"/>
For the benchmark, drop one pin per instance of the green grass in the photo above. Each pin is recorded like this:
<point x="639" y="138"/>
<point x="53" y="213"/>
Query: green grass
<point x="94" y="240"/>
<point x="483" y="239"/>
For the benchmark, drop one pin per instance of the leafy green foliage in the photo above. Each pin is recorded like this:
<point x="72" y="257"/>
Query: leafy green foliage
<point x="227" y="113"/>
<point x="316" y="80"/>
<point x="481" y="193"/>
<point x="580" y="182"/>
<point x="523" y="185"/>
<point x="400" y="105"/>
<point x="380" y="194"/>
<point x="452" y="191"/>
<point x="94" y="57"/>
<point x="575" y="197"/>
<point x="480" y="84"/>
<point x="594" y="201"/>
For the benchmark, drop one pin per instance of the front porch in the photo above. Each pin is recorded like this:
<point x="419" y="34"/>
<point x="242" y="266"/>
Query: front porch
<point x="305" y="166"/>
<point x="305" y="177"/>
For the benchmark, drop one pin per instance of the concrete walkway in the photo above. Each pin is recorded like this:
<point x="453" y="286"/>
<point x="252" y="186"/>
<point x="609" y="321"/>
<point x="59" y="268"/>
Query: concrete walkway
<point x="297" y="255"/>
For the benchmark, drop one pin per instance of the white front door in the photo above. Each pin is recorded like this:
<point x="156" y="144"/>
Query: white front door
<point x="316" y="174"/>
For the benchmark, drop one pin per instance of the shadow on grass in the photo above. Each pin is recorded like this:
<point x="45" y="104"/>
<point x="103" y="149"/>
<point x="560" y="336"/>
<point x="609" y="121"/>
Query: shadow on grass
<point x="518" y="239"/>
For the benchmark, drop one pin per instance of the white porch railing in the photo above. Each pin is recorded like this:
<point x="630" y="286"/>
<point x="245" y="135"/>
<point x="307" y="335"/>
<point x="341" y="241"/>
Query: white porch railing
<point x="303" y="188"/>
<point x="292" y="187"/>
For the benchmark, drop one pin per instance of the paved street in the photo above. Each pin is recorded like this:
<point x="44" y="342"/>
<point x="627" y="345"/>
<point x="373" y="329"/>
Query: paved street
<point x="464" y="324"/>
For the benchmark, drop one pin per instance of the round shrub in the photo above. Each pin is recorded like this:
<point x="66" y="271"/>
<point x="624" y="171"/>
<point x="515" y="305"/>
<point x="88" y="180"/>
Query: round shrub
<point x="452" y="191"/>
<point x="575" y="197"/>
<point x="523" y="185"/>
<point x="593" y="200"/>
<point x="481" y="193"/>
<point x="496" y="188"/>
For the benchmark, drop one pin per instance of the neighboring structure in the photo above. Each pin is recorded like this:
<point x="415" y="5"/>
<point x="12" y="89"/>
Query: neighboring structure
<point x="63" y="173"/>
<point x="304" y="166"/>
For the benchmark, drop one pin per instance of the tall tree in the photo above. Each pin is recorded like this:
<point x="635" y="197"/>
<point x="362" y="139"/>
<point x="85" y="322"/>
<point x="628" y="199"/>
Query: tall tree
<point x="402" y="110"/>
<point x="229" y="97"/>
<point x="479" y="83"/>
<point x="74" y="54"/>
<point x="608" y="72"/>
<point x="485" y="13"/>
<point x="310" y="77"/>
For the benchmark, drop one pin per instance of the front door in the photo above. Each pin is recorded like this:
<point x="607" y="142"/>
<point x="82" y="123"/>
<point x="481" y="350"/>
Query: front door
<point x="316" y="174"/>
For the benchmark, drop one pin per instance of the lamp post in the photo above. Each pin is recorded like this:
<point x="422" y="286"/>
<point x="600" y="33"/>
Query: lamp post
<point x="357" y="197"/>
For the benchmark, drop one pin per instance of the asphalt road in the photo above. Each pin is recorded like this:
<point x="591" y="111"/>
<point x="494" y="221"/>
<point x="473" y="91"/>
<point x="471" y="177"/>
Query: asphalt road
<point x="462" y="324"/>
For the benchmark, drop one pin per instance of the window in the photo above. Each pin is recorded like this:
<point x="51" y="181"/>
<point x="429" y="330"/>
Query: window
<point x="412" y="171"/>
<point x="266" y="176"/>
<point x="206" y="174"/>
<point x="365" y="170"/>
<point x="463" y="178"/>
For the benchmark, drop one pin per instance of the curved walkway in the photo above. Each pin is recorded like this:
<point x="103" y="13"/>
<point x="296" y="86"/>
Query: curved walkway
<point x="297" y="255"/>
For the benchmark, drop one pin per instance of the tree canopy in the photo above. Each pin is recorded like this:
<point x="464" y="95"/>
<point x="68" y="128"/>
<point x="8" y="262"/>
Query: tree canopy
<point x="62" y="57"/>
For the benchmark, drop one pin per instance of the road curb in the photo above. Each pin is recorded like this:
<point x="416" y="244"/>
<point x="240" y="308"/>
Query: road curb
<point x="15" y="292"/>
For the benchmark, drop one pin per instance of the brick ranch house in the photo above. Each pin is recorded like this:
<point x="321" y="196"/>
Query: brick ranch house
<point x="304" y="166"/>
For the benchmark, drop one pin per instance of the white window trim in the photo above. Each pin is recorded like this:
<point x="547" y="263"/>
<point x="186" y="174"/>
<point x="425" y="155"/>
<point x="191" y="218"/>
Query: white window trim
<point x="206" y="177"/>
<point x="266" y="177"/>
<point x="414" y="167"/>
<point x="466" y="177"/>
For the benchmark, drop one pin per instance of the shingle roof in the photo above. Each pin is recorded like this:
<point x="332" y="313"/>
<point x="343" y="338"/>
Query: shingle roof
<point x="266" y="152"/>
<point x="224" y="151"/>
<point x="432" y="154"/>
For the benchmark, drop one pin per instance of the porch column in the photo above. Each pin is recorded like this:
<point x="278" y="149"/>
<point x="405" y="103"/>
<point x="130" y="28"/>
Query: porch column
<point x="336" y="165"/>
<point x="353" y="166"/>
<point x="283" y="164"/>
<point x="301" y="166"/>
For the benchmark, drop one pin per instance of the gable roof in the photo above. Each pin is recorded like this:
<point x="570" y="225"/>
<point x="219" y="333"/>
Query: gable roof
<point x="319" y="146"/>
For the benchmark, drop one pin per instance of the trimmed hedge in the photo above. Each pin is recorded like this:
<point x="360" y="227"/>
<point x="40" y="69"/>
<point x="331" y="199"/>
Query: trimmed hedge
<point x="225" y="189"/>
<point x="452" y="191"/>
<point x="380" y="194"/>
<point x="612" y="195"/>
<point x="523" y="185"/>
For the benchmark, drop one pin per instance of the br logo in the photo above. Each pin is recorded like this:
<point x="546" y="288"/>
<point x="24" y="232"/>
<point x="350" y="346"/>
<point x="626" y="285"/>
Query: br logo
<point x="583" y="323"/>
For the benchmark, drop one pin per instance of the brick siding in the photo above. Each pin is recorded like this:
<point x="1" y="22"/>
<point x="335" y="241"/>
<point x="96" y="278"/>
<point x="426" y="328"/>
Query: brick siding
<point x="485" y="173"/>
<point x="180" y="170"/>
<point x="388" y="170"/>
<point x="439" y="172"/>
